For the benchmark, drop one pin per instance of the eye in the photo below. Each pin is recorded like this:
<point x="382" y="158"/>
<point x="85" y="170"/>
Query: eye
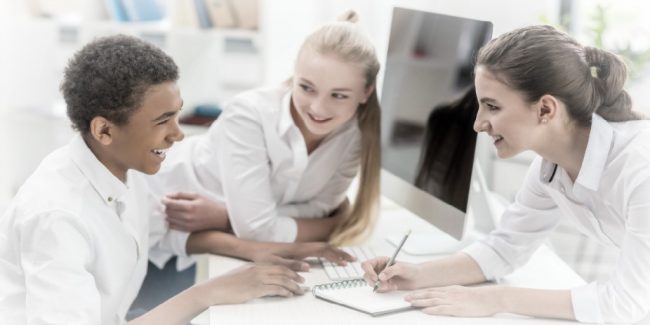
<point x="162" y="122"/>
<point x="492" y="107"/>
<point x="340" y="96"/>
<point x="306" y="88"/>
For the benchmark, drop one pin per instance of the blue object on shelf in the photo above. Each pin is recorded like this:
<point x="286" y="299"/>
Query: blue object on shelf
<point x="208" y="110"/>
<point x="143" y="10"/>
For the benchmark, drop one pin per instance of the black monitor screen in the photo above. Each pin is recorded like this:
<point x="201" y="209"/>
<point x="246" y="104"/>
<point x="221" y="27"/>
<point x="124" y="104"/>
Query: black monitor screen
<point x="429" y="103"/>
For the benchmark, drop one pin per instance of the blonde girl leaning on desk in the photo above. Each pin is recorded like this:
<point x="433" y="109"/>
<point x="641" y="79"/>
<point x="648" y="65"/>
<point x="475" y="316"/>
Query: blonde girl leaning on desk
<point x="276" y="165"/>
<point x="74" y="242"/>
<point x="540" y="90"/>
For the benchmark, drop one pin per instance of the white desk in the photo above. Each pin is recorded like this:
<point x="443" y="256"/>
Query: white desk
<point x="544" y="270"/>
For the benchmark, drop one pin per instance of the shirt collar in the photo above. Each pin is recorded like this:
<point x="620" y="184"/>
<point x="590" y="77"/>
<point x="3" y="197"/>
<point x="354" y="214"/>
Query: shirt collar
<point x="598" y="145"/>
<point x="593" y="164"/>
<point x="286" y="120"/>
<point x="109" y="187"/>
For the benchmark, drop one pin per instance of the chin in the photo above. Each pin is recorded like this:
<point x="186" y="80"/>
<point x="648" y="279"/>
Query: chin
<point x="320" y="131"/>
<point x="150" y="170"/>
<point x="505" y="154"/>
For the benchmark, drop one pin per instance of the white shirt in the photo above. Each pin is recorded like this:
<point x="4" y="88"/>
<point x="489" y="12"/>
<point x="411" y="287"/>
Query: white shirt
<point x="74" y="243"/>
<point x="254" y="159"/>
<point x="609" y="201"/>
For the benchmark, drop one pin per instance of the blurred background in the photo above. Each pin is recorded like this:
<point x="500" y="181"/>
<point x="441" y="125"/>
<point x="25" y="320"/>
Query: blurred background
<point x="224" y="47"/>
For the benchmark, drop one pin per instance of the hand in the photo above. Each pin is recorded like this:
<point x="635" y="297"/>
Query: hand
<point x="193" y="212"/>
<point x="316" y="249"/>
<point x="252" y="282"/>
<point x="399" y="276"/>
<point x="291" y="255"/>
<point x="457" y="301"/>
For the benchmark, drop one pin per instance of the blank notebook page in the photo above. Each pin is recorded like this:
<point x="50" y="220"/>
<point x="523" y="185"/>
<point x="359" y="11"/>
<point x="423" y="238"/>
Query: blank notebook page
<point x="358" y="295"/>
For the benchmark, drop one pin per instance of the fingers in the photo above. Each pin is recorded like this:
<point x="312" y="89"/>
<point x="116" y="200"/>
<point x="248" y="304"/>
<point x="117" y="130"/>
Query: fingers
<point x="372" y="267"/>
<point x="446" y="310"/>
<point x="425" y="294"/>
<point x="395" y="270"/>
<point x="176" y="225"/>
<point x="183" y="196"/>
<point x="274" y="290"/>
<point x="295" y="265"/>
<point x="338" y="256"/>
<point x="278" y="270"/>
<point x="284" y="278"/>
<point x="172" y="204"/>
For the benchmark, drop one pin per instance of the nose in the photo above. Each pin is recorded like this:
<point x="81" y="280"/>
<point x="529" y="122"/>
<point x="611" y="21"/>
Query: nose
<point x="318" y="106"/>
<point x="481" y="124"/>
<point x="176" y="133"/>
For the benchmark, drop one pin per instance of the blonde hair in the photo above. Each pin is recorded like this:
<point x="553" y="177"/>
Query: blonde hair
<point x="345" y="40"/>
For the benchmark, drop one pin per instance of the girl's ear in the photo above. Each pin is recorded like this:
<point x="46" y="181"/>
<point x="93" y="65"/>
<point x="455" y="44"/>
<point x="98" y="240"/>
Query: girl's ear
<point x="368" y="93"/>
<point x="102" y="130"/>
<point x="547" y="110"/>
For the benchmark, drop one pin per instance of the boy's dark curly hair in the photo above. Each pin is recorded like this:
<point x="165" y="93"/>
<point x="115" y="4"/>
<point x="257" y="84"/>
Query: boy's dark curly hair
<point x="109" y="77"/>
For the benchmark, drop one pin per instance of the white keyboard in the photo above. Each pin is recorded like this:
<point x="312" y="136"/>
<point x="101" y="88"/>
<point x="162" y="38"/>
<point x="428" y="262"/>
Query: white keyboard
<point x="353" y="269"/>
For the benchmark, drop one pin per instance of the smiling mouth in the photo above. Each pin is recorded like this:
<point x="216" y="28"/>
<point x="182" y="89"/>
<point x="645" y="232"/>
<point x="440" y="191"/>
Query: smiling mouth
<point x="161" y="153"/>
<point x="317" y="119"/>
<point x="497" y="138"/>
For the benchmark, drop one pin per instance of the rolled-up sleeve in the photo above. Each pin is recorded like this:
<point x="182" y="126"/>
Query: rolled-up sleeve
<point x="56" y="254"/>
<point x="523" y="228"/>
<point x="625" y="296"/>
<point x="246" y="178"/>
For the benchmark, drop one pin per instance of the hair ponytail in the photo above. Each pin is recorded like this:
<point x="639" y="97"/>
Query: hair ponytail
<point x="349" y="16"/>
<point x="540" y="60"/>
<point x="608" y="73"/>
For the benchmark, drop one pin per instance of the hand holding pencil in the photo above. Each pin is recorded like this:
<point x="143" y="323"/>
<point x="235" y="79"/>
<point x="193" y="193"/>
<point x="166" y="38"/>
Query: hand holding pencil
<point x="390" y="275"/>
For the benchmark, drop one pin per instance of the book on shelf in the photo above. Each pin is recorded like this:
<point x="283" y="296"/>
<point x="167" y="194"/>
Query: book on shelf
<point x="205" y="21"/>
<point x="143" y="10"/>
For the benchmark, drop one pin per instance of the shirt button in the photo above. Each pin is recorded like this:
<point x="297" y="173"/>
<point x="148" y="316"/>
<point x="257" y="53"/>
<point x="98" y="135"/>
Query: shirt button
<point x="110" y="199"/>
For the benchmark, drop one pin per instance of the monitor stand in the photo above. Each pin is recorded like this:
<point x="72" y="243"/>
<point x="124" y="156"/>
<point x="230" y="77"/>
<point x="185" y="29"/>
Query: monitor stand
<point x="428" y="243"/>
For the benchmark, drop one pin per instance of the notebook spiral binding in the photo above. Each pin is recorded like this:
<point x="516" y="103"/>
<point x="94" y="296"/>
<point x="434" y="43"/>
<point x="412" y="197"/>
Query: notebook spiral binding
<point x="354" y="283"/>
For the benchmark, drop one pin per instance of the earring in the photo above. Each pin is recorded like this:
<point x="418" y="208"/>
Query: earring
<point x="544" y="120"/>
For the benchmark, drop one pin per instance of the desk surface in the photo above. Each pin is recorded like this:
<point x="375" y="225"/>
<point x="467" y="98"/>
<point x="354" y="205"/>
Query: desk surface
<point x="545" y="271"/>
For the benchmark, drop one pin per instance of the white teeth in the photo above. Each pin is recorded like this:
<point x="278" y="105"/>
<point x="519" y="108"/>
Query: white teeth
<point x="159" y="152"/>
<point x="318" y="119"/>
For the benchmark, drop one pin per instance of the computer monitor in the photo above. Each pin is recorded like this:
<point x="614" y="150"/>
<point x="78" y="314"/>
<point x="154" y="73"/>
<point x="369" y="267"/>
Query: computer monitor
<point x="428" y="109"/>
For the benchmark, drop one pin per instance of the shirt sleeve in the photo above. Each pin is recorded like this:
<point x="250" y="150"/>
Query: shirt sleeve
<point x="523" y="228"/>
<point x="625" y="296"/>
<point x="246" y="177"/>
<point x="336" y="189"/>
<point x="56" y="254"/>
<point x="164" y="243"/>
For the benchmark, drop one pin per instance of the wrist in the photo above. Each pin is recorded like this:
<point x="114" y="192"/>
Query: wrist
<point x="202" y="296"/>
<point x="500" y="295"/>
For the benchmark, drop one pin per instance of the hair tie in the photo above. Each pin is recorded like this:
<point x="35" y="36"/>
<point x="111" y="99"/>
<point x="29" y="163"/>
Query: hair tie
<point x="595" y="71"/>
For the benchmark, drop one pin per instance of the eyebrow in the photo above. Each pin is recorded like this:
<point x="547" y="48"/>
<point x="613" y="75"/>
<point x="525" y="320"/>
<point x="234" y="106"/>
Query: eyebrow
<point x="335" y="89"/>
<point x="168" y="114"/>
<point x="488" y="100"/>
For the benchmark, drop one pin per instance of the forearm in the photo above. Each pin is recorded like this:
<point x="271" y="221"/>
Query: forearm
<point x="536" y="302"/>
<point x="459" y="269"/>
<point x="220" y="243"/>
<point x="179" y="309"/>
<point x="317" y="229"/>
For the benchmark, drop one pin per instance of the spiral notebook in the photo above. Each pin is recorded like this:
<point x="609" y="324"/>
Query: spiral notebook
<point x="358" y="295"/>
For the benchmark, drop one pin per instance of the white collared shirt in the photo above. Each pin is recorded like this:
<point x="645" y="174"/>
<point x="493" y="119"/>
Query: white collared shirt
<point x="254" y="159"/>
<point x="609" y="201"/>
<point x="73" y="243"/>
